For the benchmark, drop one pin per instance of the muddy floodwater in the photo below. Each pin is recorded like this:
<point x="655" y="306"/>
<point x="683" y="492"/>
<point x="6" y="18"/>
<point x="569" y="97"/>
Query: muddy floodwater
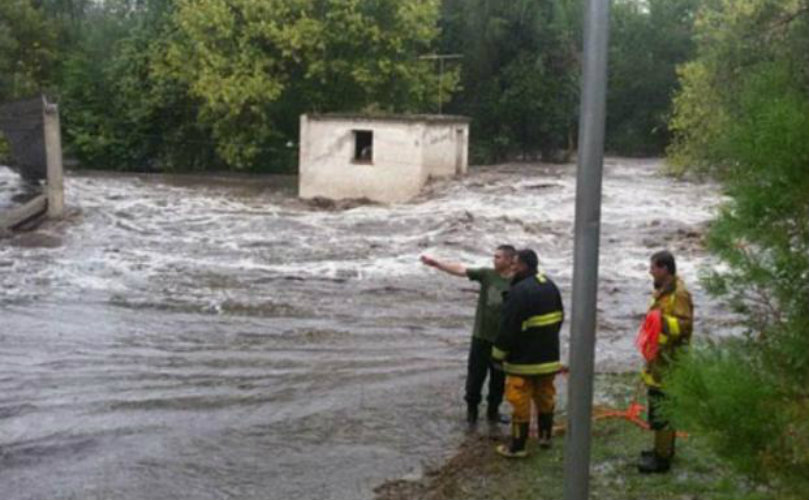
<point x="217" y="338"/>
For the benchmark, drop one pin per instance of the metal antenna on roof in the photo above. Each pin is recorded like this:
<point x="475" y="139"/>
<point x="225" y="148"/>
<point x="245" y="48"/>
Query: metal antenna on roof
<point x="440" y="58"/>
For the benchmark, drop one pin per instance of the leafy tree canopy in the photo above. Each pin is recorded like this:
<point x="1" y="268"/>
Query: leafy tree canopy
<point x="263" y="63"/>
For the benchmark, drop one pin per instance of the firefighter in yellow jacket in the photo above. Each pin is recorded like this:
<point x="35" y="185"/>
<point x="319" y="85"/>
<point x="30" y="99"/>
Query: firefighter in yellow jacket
<point x="527" y="345"/>
<point x="673" y="300"/>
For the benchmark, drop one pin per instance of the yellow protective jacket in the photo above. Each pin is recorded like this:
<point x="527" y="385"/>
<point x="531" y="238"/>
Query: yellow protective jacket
<point x="677" y="310"/>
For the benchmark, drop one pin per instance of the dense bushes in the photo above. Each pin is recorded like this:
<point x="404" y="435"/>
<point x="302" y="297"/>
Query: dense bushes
<point x="743" y="115"/>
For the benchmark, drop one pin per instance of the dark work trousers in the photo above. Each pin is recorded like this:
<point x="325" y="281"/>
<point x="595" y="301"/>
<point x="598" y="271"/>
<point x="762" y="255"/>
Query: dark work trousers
<point x="656" y="421"/>
<point x="479" y="364"/>
<point x="665" y="436"/>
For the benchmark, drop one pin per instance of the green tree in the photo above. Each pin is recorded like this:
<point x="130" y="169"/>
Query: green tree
<point x="520" y="74"/>
<point x="255" y="66"/>
<point x="26" y="49"/>
<point x="736" y="40"/>
<point x="118" y="112"/>
<point x="647" y="42"/>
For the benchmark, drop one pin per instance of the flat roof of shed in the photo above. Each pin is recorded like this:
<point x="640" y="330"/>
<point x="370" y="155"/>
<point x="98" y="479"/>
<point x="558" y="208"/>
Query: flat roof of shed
<point x="389" y="117"/>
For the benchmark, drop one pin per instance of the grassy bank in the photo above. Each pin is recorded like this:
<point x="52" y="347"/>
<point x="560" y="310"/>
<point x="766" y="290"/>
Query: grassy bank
<point x="477" y="472"/>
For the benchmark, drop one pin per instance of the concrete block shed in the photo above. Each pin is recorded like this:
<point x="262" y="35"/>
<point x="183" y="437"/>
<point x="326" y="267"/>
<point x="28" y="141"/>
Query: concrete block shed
<point x="385" y="158"/>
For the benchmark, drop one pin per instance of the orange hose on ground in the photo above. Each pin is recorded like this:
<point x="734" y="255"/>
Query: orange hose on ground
<point x="633" y="413"/>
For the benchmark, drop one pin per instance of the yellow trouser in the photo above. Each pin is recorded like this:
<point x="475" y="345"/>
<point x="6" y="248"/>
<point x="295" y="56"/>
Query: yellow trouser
<point x="520" y="391"/>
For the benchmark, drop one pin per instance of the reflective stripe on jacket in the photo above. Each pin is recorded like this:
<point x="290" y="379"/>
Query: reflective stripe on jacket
<point x="528" y="341"/>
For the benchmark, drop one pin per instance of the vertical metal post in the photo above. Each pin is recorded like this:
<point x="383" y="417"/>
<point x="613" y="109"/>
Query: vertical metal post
<point x="587" y="228"/>
<point x="53" y="155"/>
<point x="440" y="58"/>
<point x="440" y="81"/>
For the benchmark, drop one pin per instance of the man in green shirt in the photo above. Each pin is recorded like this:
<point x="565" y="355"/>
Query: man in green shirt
<point x="493" y="282"/>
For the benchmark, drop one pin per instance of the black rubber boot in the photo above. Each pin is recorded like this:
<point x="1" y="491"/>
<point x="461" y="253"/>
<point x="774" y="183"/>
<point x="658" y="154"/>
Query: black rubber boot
<point x="545" y="429"/>
<point x="493" y="421"/>
<point x="659" y="460"/>
<point x="653" y="464"/>
<point x="515" y="449"/>
<point x="471" y="415"/>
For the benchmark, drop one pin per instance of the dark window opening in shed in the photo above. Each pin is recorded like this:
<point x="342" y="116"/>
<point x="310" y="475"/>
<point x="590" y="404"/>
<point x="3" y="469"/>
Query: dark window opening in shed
<point x="363" y="146"/>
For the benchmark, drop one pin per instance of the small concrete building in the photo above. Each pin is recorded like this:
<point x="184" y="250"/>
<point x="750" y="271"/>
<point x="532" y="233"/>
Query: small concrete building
<point x="383" y="158"/>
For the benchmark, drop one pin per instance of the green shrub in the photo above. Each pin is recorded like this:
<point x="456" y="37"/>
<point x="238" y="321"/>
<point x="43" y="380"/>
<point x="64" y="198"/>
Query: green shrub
<point x="5" y="149"/>
<point x="723" y="392"/>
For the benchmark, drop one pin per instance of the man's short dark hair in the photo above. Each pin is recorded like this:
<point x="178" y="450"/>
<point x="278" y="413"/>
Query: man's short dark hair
<point x="664" y="258"/>
<point x="509" y="250"/>
<point x="529" y="258"/>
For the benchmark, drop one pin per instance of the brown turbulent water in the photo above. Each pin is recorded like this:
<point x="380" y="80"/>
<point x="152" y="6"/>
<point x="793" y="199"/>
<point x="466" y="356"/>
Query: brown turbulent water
<point x="214" y="337"/>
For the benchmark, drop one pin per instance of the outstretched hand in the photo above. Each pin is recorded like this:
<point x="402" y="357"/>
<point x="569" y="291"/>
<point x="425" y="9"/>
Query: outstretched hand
<point x="453" y="268"/>
<point x="429" y="261"/>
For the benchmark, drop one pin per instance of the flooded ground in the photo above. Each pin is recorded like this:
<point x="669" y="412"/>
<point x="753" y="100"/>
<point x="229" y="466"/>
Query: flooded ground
<point x="216" y="338"/>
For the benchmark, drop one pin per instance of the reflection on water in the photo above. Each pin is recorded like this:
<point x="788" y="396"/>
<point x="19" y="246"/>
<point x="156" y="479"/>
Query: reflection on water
<point x="199" y="338"/>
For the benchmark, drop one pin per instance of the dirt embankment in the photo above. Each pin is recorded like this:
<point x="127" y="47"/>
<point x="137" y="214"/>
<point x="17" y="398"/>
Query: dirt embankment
<point x="441" y="483"/>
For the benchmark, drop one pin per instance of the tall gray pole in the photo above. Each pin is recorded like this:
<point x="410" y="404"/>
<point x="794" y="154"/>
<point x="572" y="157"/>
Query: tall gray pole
<point x="53" y="155"/>
<point x="585" y="261"/>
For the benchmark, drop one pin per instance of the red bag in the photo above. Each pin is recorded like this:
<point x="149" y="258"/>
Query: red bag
<point x="648" y="339"/>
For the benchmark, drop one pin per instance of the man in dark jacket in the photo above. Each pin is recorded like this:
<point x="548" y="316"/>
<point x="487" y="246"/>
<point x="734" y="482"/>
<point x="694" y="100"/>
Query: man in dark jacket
<point x="528" y="347"/>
